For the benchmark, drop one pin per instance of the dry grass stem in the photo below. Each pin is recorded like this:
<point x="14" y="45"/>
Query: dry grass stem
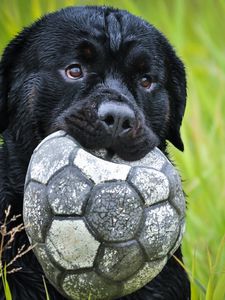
<point x="6" y="241"/>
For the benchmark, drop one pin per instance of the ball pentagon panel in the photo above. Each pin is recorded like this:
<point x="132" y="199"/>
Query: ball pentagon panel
<point x="36" y="211"/>
<point x="68" y="192"/>
<point x="114" y="211"/>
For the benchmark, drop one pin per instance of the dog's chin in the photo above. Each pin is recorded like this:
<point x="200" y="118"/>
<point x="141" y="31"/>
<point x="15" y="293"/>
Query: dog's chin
<point x="102" y="145"/>
<point x="111" y="154"/>
<point x="121" y="150"/>
<point x="105" y="154"/>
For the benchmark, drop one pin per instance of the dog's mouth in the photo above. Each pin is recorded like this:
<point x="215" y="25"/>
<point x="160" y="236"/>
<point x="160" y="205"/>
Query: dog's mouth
<point x="100" y="145"/>
<point x="106" y="154"/>
<point x="130" y="144"/>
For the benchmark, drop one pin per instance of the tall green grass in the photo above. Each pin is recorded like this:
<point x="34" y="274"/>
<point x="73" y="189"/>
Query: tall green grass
<point x="196" y="29"/>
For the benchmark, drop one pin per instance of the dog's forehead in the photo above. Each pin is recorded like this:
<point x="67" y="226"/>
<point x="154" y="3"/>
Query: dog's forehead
<point x="102" y="24"/>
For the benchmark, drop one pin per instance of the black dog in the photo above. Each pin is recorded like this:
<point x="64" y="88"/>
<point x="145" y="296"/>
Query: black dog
<point x="109" y="79"/>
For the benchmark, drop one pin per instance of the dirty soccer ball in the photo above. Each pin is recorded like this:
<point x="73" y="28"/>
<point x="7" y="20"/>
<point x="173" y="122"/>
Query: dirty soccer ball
<point x="102" y="229"/>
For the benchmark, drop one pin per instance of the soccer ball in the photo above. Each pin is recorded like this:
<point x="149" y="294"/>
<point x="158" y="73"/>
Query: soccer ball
<point x="102" y="229"/>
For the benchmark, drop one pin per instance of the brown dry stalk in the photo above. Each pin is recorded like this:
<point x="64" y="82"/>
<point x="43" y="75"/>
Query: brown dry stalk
<point x="10" y="234"/>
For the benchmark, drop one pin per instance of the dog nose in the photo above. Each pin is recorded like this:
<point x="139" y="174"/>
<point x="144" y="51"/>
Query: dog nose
<point x="117" y="118"/>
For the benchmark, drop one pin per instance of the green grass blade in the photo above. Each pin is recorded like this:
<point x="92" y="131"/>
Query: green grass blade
<point x="210" y="287"/>
<point x="219" y="291"/>
<point x="8" y="294"/>
<point x="196" y="286"/>
<point x="220" y="252"/>
<point x="194" y="292"/>
<point x="46" y="289"/>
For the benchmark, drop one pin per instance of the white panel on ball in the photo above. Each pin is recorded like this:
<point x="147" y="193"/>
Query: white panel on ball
<point x="71" y="244"/>
<point x="91" y="166"/>
<point x="52" y="156"/>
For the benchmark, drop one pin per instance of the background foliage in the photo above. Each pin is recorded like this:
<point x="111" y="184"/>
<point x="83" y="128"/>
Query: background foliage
<point x="196" y="30"/>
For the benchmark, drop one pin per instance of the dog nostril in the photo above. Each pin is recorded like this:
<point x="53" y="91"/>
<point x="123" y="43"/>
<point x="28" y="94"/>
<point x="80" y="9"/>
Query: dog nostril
<point x="126" y="124"/>
<point x="109" y="120"/>
<point x="117" y="118"/>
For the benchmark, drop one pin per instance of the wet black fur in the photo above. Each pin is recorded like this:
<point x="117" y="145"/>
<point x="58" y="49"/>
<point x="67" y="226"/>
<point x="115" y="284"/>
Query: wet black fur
<point x="115" y="49"/>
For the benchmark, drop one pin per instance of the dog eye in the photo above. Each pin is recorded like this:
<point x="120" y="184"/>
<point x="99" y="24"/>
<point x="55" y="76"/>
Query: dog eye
<point x="146" y="82"/>
<point x="74" y="71"/>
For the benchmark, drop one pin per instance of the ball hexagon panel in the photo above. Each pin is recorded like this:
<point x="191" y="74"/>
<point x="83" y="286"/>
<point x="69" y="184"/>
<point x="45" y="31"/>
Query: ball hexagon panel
<point x="177" y="196"/>
<point x="68" y="191"/>
<point x="120" y="261"/>
<point x="160" y="230"/>
<point x="143" y="276"/>
<point x="155" y="159"/>
<point x="50" y="157"/>
<point x="178" y="203"/>
<point x="71" y="244"/>
<point x="36" y="211"/>
<point x="91" y="166"/>
<point x="59" y="133"/>
<point x="114" y="211"/>
<point x="89" y="285"/>
<point x="179" y="239"/>
<point x="152" y="185"/>
<point x="50" y="269"/>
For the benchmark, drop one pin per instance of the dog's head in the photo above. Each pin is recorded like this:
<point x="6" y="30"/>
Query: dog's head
<point x="106" y="77"/>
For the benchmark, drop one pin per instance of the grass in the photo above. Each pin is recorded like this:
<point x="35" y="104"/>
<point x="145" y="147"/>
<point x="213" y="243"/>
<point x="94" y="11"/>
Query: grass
<point x="46" y="289"/>
<point x="8" y="231"/>
<point x="196" y="29"/>
<point x="7" y="292"/>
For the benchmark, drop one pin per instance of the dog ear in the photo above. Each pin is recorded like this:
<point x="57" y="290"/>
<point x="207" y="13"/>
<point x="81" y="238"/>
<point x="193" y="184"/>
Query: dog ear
<point x="176" y="86"/>
<point x="8" y="65"/>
